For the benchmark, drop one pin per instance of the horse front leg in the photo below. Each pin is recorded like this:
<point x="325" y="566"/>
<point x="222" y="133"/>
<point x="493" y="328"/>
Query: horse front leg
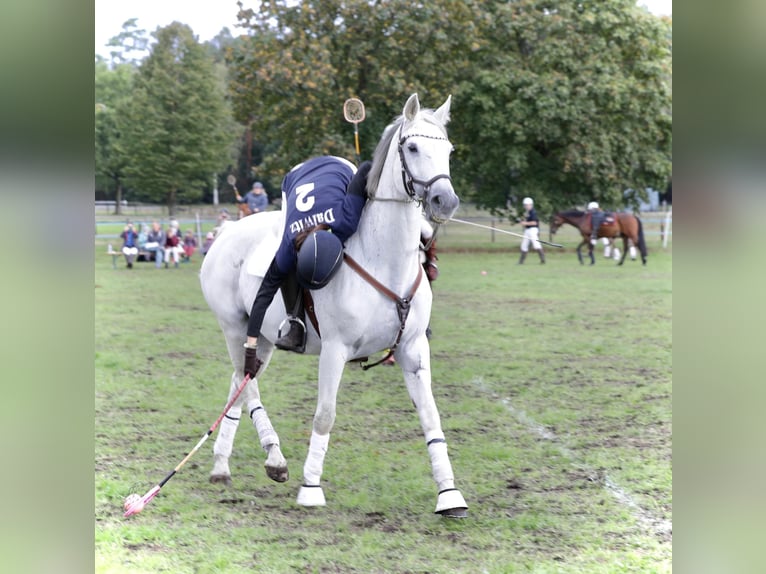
<point x="416" y="368"/>
<point x="579" y="253"/>
<point x="331" y="365"/>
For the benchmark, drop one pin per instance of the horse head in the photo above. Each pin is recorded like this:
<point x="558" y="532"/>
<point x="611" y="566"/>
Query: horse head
<point x="419" y="138"/>
<point x="556" y="222"/>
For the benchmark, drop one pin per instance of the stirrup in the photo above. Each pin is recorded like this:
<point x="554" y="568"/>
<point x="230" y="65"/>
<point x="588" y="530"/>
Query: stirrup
<point x="294" y="340"/>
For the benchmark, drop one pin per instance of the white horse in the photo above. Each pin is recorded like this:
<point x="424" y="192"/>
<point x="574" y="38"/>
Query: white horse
<point x="376" y="301"/>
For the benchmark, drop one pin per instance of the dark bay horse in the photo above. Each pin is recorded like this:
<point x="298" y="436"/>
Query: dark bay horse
<point x="624" y="225"/>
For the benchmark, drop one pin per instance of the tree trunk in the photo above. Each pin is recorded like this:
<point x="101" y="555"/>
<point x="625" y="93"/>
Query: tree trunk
<point x="172" y="202"/>
<point x="118" y="199"/>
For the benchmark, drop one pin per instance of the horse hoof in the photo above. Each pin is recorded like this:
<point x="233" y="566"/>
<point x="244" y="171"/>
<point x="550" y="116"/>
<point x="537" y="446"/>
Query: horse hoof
<point x="277" y="474"/>
<point x="451" y="504"/>
<point x="454" y="513"/>
<point x="311" y="495"/>
<point x="220" y="479"/>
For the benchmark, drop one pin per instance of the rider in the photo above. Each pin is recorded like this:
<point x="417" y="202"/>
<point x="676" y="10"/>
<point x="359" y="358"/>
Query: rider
<point x="597" y="218"/>
<point x="324" y="203"/>
<point x="531" y="224"/>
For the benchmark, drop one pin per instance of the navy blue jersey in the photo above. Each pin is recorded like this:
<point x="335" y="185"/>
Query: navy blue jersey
<point x="532" y="216"/>
<point x="315" y="192"/>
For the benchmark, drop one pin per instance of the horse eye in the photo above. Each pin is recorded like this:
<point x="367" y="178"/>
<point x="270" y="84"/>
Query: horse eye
<point x="413" y="147"/>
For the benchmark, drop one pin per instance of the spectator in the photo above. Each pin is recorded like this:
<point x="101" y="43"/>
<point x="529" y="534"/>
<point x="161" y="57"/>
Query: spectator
<point x="190" y="245"/>
<point x="223" y="218"/>
<point x="172" y="247"/>
<point x="256" y="198"/>
<point x="155" y="243"/>
<point x="129" y="244"/>
<point x="208" y="242"/>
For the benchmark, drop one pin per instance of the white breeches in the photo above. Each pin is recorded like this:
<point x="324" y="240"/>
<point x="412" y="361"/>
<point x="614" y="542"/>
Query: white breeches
<point x="530" y="236"/>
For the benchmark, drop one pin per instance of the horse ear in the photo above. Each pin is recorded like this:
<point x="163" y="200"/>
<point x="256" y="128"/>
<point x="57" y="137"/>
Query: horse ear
<point x="442" y="114"/>
<point x="411" y="108"/>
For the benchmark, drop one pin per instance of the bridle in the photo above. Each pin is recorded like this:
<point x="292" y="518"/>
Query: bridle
<point x="407" y="178"/>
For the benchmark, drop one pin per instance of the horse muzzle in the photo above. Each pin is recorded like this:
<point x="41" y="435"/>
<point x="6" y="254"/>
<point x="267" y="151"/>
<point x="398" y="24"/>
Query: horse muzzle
<point x="441" y="201"/>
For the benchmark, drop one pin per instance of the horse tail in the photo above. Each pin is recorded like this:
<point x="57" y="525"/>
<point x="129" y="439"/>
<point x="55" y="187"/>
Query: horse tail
<point x="641" y="242"/>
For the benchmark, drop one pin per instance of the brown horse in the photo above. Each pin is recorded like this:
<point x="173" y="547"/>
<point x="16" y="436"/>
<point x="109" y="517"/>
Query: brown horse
<point x="623" y="225"/>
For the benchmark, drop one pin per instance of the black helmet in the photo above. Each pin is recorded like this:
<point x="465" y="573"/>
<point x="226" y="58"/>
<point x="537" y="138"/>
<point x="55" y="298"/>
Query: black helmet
<point x="319" y="258"/>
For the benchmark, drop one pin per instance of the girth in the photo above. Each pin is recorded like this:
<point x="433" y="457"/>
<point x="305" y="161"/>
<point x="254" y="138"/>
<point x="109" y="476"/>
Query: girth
<point x="402" y="303"/>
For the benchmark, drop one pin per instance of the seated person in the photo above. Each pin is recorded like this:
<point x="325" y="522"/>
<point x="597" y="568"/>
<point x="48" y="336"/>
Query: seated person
<point x="155" y="243"/>
<point x="190" y="245"/>
<point x="129" y="244"/>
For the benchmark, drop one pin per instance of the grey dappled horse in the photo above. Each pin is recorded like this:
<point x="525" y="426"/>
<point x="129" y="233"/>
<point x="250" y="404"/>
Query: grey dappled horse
<point x="376" y="301"/>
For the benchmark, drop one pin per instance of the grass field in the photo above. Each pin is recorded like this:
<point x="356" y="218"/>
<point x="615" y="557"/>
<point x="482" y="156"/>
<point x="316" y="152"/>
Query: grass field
<point x="554" y="387"/>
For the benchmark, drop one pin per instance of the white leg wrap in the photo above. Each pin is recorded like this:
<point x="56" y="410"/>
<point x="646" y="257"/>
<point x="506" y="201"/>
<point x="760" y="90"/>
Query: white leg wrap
<point x="312" y="470"/>
<point x="633" y="252"/>
<point x="616" y="253"/>
<point x="263" y="426"/>
<point x="224" y="442"/>
<point x="440" y="464"/>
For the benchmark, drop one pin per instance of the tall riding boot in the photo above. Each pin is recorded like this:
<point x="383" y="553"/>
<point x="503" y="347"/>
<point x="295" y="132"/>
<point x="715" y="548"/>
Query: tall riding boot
<point x="522" y="258"/>
<point x="295" y="338"/>
<point x="542" y="255"/>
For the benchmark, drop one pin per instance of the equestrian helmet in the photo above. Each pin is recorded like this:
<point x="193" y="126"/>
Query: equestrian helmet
<point x="527" y="201"/>
<point x="319" y="258"/>
<point x="592" y="205"/>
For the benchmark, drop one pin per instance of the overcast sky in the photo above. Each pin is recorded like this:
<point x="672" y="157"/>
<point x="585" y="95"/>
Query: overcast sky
<point x="205" y="17"/>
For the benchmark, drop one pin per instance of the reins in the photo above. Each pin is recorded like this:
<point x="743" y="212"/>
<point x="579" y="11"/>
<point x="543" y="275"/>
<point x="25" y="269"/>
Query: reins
<point x="402" y="303"/>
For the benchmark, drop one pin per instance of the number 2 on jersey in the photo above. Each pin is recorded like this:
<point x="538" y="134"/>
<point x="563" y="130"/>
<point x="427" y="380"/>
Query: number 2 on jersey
<point x="302" y="200"/>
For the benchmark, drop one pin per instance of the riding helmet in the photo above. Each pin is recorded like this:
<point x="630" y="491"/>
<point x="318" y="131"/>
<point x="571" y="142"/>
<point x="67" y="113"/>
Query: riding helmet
<point x="319" y="258"/>
<point x="592" y="205"/>
<point x="527" y="201"/>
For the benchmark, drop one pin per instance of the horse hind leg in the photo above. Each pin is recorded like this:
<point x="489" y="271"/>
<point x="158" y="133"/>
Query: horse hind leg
<point x="624" y="249"/>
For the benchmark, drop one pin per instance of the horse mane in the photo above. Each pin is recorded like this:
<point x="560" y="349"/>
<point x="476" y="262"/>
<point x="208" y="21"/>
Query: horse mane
<point x="381" y="151"/>
<point x="572" y="213"/>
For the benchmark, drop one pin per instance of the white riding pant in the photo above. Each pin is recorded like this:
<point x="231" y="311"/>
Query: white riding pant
<point x="531" y="235"/>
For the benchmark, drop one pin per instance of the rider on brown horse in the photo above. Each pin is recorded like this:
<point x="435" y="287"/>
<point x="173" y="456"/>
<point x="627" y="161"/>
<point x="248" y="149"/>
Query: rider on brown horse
<point x="597" y="218"/>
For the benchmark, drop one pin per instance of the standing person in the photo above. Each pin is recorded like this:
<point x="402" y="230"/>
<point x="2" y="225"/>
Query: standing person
<point x="597" y="218"/>
<point x="531" y="225"/>
<point x="155" y="242"/>
<point x="324" y="201"/>
<point x="256" y="198"/>
<point x="172" y="247"/>
<point x="190" y="245"/>
<point x="129" y="244"/>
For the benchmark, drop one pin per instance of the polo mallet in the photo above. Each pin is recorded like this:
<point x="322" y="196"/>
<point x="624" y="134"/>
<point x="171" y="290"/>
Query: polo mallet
<point x="503" y="231"/>
<point x="232" y="181"/>
<point x="135" y="504"/>
<point x="353" y="111"/>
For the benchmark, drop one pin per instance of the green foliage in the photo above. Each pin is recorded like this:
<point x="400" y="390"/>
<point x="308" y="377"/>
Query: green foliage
<point x="564" y="102"/>
<point x="112" y="91"/>
<point x="568" y="103"/>
<point x="178" y="123"/>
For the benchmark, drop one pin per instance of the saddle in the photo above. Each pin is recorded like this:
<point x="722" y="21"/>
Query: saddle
<point x="609" y="219"/>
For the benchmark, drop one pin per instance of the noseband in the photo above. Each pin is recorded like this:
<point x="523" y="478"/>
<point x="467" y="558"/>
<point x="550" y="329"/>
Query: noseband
<point x="407" y="178"/>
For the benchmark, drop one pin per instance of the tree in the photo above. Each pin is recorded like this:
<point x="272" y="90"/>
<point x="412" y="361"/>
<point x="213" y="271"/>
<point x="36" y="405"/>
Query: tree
<point x="178" y="132"/>
<point x="568" y="102"/>
<point x="130" y="45"/>
<point x="299" y="63"/>
<point x="112" y="92"/>
<point x="562" y="101"/>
